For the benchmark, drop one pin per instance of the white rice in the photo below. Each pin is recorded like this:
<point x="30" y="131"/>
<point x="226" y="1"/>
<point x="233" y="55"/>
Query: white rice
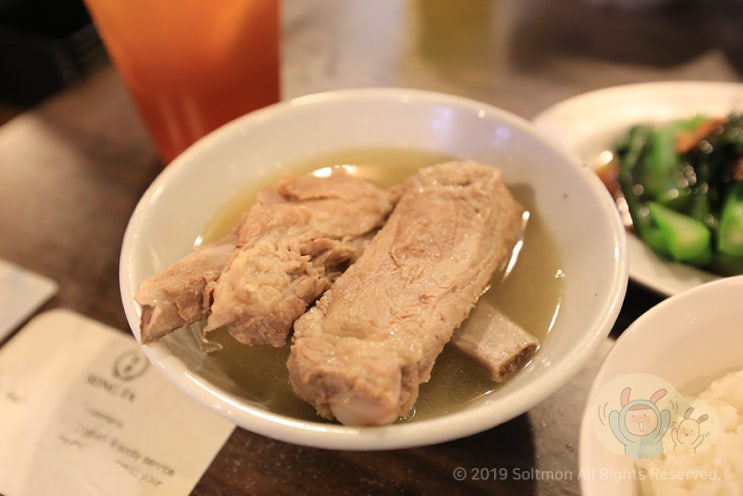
<point x="717" y="470"/>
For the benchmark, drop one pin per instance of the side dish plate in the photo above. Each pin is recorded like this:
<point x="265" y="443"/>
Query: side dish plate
<point x="588" y="124"/>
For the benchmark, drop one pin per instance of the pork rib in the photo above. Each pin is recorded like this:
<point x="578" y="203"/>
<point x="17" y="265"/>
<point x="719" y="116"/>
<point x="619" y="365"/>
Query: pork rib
<point x="296" y="240"/>
<point x="178" y="295"/>
<point x="495" y="341"/>
<point x="362" y="351"/>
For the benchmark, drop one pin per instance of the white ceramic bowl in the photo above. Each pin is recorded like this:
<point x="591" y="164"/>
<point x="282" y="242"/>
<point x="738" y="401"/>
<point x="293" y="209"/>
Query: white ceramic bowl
<point x="587" y="230"/>
<point x="684" y="343"/>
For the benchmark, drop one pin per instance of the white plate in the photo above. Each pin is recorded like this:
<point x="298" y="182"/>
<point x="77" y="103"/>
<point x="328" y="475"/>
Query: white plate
<point x="590" y="123"/>
<point x="687" y="341"/>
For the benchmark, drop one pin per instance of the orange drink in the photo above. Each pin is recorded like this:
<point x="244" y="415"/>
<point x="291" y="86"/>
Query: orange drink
<point x="192" y="65"/>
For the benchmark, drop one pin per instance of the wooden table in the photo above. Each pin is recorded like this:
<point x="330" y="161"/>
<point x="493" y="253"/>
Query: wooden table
<point x="73" y="168"/>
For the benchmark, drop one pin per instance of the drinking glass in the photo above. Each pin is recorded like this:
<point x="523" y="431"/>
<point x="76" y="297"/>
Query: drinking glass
<point x="191" y="65"/>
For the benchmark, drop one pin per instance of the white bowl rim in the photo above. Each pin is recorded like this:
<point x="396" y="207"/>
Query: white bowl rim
<point x="425" y="432"/>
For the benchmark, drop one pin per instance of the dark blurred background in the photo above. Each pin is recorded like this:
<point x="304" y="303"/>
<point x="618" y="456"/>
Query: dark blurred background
<point x="44" y="46"/>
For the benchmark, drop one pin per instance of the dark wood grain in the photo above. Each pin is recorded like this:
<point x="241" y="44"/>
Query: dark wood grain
<point x="73" y="168"/>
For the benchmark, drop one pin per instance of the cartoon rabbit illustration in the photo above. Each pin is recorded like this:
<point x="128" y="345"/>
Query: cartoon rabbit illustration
<point x="687" y="434"/>
<point x="640" y="425"/>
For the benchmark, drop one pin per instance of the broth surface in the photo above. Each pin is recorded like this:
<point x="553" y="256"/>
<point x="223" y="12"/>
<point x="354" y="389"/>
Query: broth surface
<point x="530" y="295"/>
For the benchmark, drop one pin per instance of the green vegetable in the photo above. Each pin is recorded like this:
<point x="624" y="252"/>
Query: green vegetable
<point x="684" y="238"/>
<point x="631" y="152"/>
<point x="730" y="238"/>
<point x="688" y="206"/>
<point x="661" y="174"/>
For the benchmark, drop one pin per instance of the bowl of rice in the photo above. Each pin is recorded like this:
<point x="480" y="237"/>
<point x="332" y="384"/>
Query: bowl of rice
<point x="665" y="412"/>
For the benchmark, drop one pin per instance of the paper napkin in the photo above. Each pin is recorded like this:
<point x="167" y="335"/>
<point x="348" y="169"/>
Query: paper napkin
<point x="83" y="412"/>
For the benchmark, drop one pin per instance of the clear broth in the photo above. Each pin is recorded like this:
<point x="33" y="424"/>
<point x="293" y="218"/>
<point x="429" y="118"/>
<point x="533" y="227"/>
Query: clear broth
<point x="530" y="295"/>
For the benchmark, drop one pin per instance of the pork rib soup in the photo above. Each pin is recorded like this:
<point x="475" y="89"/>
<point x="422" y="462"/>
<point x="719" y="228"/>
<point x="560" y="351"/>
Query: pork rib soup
<point x="526" y="294"/>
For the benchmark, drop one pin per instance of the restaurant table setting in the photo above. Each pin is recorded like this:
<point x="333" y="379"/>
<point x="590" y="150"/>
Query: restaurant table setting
<point x="121" y="172"/>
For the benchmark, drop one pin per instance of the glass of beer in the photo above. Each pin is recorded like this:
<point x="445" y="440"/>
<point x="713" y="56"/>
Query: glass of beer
<point x="192" y="65"/>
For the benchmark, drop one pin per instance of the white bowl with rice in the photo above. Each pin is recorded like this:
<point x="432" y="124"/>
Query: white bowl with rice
<point x="574" y="244"/>
<point x="665" y="412"/>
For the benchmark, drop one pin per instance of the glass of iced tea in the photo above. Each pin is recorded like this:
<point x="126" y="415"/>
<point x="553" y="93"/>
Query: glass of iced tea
<point x="192" y="65"/>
